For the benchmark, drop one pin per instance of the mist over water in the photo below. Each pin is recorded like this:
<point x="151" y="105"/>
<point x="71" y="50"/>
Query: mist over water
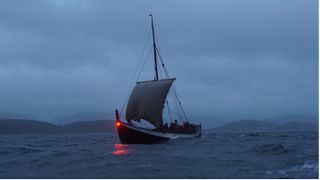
<point x="215" y="155"/>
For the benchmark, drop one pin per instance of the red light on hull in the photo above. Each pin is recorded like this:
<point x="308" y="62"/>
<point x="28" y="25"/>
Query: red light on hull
<point x="118" y="124"/>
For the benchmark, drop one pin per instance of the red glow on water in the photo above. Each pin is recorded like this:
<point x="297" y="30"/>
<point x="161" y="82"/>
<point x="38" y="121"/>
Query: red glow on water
<point x="120" y="149"/>
<point x="120" y="152"/>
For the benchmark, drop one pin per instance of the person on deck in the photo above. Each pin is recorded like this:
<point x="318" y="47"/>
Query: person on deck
<point x="165" y="127"/>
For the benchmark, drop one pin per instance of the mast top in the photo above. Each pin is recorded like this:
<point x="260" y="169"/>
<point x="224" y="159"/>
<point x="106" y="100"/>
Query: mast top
<point x="154" y="49"/>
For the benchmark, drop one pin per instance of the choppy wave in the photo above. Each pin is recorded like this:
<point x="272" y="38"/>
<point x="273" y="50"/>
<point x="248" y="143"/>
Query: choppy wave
<point x="308" y="169"/>
<point x="215" y="155"/>
<point x="24" y="149"/>
<point x="273" y="148"/>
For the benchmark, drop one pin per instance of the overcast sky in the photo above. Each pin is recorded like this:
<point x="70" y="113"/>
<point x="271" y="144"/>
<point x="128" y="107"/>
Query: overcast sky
<point x="233" y="59"/>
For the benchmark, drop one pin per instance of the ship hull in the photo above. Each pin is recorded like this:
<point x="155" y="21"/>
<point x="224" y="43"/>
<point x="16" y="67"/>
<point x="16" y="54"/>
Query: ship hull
<point x="129" y="134"/>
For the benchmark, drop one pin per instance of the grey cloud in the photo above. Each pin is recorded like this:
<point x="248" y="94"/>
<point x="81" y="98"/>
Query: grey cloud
<point x="232" y="59"/>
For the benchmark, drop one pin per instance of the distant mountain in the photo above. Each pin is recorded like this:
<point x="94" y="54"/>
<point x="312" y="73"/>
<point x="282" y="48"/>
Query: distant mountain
<point x="90" y="126"/>
<point x="263" y="126"/>
<point x="24" y="126"/>
<point x="10" y="115"/>
<point x="81" y="116"/>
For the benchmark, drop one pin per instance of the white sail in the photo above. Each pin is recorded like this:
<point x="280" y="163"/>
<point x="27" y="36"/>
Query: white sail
<point x="147" y="100"/>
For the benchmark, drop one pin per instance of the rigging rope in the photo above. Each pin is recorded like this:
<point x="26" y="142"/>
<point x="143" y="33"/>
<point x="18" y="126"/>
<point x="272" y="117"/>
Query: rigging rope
<point x="163" y="73"/>
<point x="144" y="64"/>
<point x="176" y="99"/>
<point x="169" y="112"/>
<point x="134" y="77"/>
<point x="173" y="88"/>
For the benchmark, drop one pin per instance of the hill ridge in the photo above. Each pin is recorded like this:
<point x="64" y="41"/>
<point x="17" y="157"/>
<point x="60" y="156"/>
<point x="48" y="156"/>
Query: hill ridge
<point x="27" y="126"/>
<point x="247" y="125"/>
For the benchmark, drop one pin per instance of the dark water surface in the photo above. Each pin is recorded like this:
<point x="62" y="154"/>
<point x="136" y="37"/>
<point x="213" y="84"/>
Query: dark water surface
<point x="215" y="155"/>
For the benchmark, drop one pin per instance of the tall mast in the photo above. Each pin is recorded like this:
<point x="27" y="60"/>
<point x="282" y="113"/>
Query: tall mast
<point x="154" y="49"/>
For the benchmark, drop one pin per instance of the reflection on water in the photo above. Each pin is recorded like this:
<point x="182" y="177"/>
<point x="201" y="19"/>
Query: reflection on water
<point x="120" y="149"/>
